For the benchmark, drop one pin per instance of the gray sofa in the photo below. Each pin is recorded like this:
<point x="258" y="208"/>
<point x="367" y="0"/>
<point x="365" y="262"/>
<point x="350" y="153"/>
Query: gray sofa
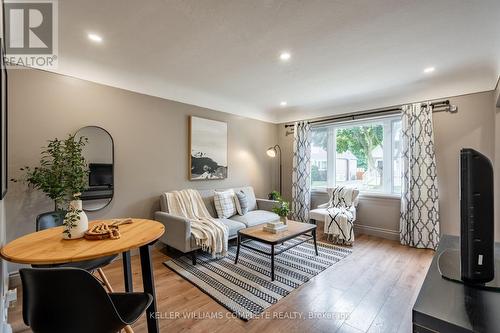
<point x="178" y="229"/>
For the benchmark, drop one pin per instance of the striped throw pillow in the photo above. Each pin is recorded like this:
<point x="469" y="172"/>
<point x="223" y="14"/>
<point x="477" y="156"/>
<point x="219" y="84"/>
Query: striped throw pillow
<point x="224" y="204"/>
<point x="241" y="203"/>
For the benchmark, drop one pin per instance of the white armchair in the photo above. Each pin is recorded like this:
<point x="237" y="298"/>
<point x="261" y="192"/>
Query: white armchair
<point x="338" y="214"/>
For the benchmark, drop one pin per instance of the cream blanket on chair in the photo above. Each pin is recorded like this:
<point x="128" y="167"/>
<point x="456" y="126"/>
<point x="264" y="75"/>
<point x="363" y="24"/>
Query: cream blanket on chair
<point x="208" y="232"/>
<point x="341" y="209"/>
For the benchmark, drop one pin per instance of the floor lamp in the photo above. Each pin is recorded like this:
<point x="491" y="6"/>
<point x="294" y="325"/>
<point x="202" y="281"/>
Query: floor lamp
<point x="271" y="152"/>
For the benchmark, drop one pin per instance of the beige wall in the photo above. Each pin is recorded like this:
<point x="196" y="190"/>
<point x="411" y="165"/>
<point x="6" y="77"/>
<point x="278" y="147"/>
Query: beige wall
<point x="150" y="136"/>
<point x="473" y="126"/>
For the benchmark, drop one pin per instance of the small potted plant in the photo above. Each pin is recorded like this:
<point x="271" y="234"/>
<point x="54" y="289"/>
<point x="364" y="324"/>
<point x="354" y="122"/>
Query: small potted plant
<point x="282" y="208"/>
<point x="62" y="175"/>
<point x="274" y="195"/>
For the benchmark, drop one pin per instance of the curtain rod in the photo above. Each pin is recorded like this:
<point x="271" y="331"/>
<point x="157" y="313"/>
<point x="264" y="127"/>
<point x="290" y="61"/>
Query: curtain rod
<point x="440" y="104"/>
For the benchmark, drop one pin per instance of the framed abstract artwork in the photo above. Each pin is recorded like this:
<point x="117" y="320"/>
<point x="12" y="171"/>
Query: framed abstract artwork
<point x="3" y="123"/>
<point x="207" y="149"/>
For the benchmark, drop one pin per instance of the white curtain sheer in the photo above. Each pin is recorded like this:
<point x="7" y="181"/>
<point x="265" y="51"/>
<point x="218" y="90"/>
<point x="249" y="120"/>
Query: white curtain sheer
<point x="419" y="218"/>
<point x="301" y="172"/>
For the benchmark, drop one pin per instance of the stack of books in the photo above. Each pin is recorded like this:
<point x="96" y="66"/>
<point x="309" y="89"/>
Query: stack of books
<point x="275" y="227"/>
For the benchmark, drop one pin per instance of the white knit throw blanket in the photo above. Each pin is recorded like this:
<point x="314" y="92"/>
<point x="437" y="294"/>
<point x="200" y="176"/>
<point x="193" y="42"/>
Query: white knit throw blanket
<point x="339" y="223"/>
<point x="208" y="232"/>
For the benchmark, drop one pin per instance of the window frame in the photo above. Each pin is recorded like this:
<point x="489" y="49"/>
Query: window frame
<point x="388" y="145"/>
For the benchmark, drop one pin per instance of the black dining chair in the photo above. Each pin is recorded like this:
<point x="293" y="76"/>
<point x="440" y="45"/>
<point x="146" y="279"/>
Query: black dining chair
<point x="71" y="300"/>
<point x="50" y="220"/>
<point x="55" y="219"/>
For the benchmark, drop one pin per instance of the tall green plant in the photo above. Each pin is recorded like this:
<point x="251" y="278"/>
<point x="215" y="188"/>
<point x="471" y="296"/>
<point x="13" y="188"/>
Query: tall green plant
<point x="76" y="171"/>
<point x="62" y="171"/>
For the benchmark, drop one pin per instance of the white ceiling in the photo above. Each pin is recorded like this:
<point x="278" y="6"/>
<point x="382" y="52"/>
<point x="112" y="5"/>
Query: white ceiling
<point x="224" y="54"/>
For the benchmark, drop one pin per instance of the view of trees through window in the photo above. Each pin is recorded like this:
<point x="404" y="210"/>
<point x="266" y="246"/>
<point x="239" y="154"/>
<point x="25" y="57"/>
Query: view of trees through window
<point x="319" y="157"/>
<point x="365" y="154"/>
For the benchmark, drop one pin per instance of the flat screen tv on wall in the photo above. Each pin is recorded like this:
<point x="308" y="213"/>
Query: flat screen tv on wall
<point x="101" y="174"/>
<point x="477" y="217"/>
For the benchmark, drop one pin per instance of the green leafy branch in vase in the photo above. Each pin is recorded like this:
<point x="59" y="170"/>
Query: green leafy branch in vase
<point x="72" y="217"/>
<point x="62" y="170"/>
<point x="70" y="221"/>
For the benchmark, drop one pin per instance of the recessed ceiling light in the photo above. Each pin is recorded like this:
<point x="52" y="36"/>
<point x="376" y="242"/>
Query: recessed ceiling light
<point x="285" y="56"/>
<point x="95" y="38"/>
<point x="283" y="103"/>
<point x="429" y="70"/>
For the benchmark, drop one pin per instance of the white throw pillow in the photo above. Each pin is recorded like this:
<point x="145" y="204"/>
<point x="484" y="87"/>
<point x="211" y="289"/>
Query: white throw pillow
<point x="224" y="204"/>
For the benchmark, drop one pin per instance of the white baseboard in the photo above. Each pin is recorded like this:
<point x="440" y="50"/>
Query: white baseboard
<point x="376" y="231"/>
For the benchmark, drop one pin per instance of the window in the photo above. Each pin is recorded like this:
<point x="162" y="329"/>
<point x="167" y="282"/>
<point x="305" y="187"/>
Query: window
<point x="365" y="153"/>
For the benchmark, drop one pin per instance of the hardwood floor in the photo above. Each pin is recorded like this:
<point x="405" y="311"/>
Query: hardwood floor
<point x="372" y="290"/>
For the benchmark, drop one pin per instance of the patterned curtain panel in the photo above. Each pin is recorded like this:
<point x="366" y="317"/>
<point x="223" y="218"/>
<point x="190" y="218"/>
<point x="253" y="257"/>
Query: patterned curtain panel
<point x="301" y="173"/>
<point x="419" y="219"/>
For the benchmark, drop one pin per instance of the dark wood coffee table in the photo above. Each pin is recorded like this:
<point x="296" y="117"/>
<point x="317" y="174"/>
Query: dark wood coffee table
<point x="257" y="233"/>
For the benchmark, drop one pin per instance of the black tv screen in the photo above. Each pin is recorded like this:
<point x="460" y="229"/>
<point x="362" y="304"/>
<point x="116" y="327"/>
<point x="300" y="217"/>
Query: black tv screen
<point x="100" y="174"/>
<point x="477" y="217"/>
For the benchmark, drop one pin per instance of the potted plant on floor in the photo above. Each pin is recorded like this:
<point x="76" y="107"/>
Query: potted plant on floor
<point x="282" y="208"/>
<point x="62" y="175"/>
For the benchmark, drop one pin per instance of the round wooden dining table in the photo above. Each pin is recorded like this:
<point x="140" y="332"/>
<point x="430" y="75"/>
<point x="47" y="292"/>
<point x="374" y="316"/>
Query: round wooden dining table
<point x="48" y="247"/>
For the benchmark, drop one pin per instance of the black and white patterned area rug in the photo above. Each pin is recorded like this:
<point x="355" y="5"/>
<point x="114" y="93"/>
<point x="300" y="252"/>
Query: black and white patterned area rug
<point x="246" y="288"/>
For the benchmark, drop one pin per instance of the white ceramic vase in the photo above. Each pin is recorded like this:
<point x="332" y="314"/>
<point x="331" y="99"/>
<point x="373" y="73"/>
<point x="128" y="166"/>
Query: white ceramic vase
<point x="80" y="225"/>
